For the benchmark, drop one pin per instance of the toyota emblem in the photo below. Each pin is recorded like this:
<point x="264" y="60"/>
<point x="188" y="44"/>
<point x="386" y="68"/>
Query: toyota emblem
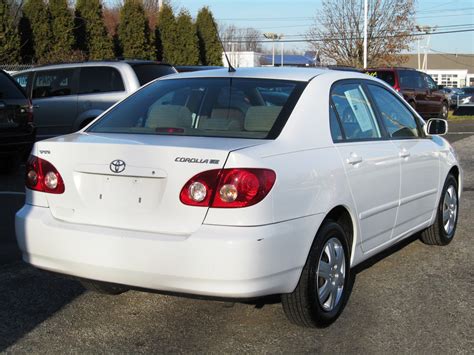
<point x="117" y="166"/>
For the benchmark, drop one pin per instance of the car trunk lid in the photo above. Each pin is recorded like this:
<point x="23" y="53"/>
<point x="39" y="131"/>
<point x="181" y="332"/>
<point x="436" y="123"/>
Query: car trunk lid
<point x="132" y="181"/>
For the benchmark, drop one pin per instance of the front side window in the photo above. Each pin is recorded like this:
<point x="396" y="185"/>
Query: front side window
<point x="99" y="79"/>
<point x="397" y="118"/>
<point x="216" y="107"/>
<point x="430" y="82"/>
<point x="355" y="113"/>
<point x="50" y="83"/>
<point x="22" y="79"/>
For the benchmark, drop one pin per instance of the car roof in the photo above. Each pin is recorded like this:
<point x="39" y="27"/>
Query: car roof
<point x="109" y="63"/>
<point x="278" y="73"/>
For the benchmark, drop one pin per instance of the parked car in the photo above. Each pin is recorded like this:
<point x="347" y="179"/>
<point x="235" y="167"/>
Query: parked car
<point x="195" y="184"/>
<point x="417" y="88"/>
<point x="466" y="95"/>
<point x="67" y="97"/>
<point x="452" y="95"/>
<point x="17" y="132"/>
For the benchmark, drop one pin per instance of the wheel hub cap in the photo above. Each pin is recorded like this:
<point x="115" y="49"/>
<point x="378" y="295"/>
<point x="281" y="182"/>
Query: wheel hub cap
<point x="450" y="210"/>
<point x="331" y="274"/>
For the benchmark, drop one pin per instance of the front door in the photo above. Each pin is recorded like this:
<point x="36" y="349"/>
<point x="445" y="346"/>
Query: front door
<point x="419" y="161"/>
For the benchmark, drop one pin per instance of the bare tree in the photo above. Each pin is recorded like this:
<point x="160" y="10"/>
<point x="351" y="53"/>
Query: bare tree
<point x="338" y="31"/>
<point x="241" y="39"/>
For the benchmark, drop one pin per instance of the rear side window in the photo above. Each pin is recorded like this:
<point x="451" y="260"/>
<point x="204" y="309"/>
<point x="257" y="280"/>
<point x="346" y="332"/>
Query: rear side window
<point x="355" y="113"/>
<point x="99" y="79"/>
<point x="212" y="107"/>
<point x="8" y="89"/>
<point x="385" y="75"/>
<point x="49" y="83"/>
<point x="148" y="72"/>
<point x="397" y="118"/>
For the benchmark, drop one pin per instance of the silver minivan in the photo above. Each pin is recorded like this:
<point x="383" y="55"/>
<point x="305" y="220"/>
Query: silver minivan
<point x="66" y="97"/>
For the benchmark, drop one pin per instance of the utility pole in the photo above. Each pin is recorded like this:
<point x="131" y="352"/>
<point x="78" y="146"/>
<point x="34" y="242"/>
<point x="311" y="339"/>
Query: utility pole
<point x="366" y="10"/>
<point x="428" y="30"/>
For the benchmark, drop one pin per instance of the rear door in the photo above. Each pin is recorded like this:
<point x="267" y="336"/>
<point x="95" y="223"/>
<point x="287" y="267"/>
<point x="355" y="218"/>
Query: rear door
<point x="54" y="97"/>
<point x="419" y="161"/>
<point x="371" y="162"/>
<point x="99" y="88"/>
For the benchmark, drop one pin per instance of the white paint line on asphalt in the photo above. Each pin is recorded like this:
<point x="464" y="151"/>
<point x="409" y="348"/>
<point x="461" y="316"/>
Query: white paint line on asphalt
<point x="460" y="133"/>
<point x="11" y="193"/>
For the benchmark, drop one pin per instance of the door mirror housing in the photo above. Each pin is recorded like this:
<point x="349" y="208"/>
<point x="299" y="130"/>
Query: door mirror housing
<point x="436" y="127"/>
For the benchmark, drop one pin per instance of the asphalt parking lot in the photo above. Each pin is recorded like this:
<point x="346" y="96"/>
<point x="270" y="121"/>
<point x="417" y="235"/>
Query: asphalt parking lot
<point x="413" y="299"/>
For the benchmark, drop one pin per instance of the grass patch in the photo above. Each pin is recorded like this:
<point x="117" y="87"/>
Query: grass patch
<point x="452" y="117"/>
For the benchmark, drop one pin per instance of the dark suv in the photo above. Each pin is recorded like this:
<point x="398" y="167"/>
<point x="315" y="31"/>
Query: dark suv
<point x="17" y="133"/>
<point x="417" y="88"/>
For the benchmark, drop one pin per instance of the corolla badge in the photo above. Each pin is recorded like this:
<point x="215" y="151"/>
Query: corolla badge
<point x="117" y="166"/>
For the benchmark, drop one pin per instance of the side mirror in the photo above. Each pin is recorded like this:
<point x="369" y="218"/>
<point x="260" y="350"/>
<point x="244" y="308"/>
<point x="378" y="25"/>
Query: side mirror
<point x="436" y="127"/>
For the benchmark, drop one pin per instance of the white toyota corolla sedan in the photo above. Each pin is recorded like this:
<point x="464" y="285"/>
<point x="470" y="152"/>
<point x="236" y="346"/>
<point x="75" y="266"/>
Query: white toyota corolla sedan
<point x="240" y="185"/>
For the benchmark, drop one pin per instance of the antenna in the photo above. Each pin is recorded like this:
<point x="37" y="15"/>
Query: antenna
<point x="231" y="68"/>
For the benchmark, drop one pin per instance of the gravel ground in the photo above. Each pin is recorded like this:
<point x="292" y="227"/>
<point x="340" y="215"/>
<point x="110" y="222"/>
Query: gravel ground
<point x="414" y="299"/>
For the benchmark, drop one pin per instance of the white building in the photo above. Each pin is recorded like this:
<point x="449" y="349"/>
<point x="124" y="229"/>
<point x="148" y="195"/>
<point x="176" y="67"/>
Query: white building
<point x="243" y="59"/>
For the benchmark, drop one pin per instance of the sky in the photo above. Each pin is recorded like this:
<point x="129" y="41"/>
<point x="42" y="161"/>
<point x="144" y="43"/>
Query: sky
<point x="294" y="17"/>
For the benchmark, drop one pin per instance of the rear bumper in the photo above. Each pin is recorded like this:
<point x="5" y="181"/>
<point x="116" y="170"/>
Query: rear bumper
<point x="221" y="261"/>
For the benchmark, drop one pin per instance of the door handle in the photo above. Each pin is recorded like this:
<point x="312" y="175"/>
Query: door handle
<point x="36" y="106"/>
<point x="2" y="105"/>
<point x="354" y="159"/>
<point x="404" y="153"/>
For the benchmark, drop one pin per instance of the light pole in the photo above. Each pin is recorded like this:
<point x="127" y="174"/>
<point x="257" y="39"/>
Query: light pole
<point x="274" y="36"/>
<point x="366" y="10"/>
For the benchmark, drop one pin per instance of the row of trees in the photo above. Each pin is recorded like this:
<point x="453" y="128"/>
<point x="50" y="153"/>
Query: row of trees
<point x="53" y="32"/>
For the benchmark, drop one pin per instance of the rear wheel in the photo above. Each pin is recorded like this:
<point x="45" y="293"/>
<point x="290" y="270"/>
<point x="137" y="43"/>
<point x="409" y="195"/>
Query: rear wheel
<point x="103" y="287"/>
<point x="443" y="229"/>
<point x="325" y="283"/>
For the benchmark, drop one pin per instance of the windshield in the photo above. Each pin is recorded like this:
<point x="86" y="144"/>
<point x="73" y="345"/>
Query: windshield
<point x="468" y="90"/>
<point x="213" y="107"/>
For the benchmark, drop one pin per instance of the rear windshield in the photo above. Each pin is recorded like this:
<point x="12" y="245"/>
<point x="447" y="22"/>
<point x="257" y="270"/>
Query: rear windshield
<point x="211" y="107"/>
<point x="387" y="76"/>
<point x="148" y="72"/>
<point x="8" y="89"/>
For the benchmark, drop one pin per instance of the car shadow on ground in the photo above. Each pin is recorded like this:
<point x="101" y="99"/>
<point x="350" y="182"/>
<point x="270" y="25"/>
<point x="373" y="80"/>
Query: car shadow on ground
<point x="28" y="298"/>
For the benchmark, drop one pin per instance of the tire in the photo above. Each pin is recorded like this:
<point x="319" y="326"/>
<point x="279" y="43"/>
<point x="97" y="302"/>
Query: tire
<point x="304" y="306"/>
<point x="441" y="233"/>
<point x="444" y="111"/>
<point x="103" y="287"/>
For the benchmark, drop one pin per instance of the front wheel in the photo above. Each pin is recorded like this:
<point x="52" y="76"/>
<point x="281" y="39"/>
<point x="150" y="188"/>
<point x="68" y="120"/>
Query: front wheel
<point x="443" y="229"/>
<point x="325" y="282"/>
<point x="444" y="111"/>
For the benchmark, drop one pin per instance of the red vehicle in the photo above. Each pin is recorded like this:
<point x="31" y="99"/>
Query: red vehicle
<point x="417" y="88"/>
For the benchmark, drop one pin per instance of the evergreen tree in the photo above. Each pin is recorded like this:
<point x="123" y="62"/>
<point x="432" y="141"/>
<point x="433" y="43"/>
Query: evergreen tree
<point x="133" y="31"/>
<point x="36" y="15"/>
<point x="210" y="49"/>
<point x="9" y="39"/>
<point x="62" y="26"/>
<point x="165" y="35"/>
<point x="91" y="34"/>
<point x="186" y="40"/>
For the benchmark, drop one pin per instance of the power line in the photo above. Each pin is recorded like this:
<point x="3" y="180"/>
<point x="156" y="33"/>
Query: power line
<point x="418" y="34"/>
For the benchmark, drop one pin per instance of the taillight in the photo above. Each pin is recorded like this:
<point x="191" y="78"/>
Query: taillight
<point x="228" y="188"/>
<point x="42" y="176"/>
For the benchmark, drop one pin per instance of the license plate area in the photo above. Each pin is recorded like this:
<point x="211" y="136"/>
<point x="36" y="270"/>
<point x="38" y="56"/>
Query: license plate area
<point x="120" y="193"/>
